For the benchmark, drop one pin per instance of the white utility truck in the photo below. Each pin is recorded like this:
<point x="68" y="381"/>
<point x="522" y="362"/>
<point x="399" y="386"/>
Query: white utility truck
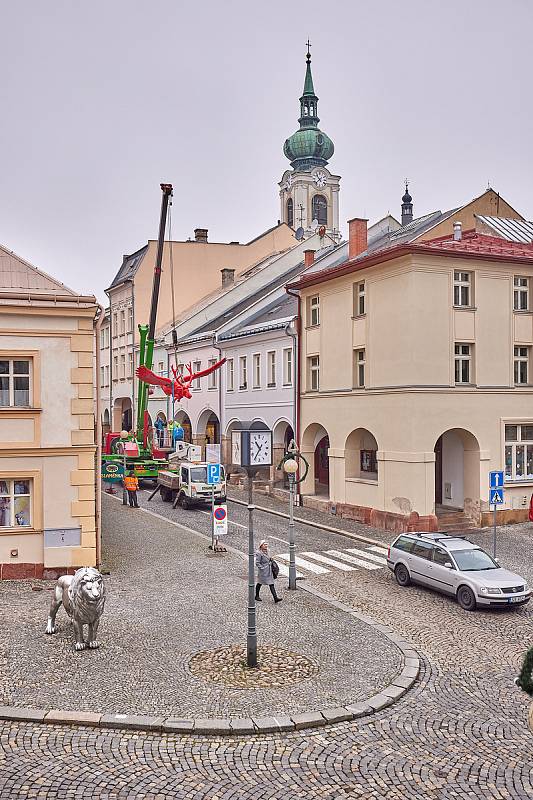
<point x="185" y="482"/>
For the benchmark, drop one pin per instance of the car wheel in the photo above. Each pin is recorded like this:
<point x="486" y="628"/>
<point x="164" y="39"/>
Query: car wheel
<point x="466" y="598"/>
<point x="165" y="494"/>
<point x="402" y="576"/>
<point x="184" y="501"/>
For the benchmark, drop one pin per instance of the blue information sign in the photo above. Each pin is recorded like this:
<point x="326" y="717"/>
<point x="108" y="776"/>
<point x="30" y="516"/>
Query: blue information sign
<point x="496" y="497"/>
<point x="496" y="479"/>
<point x="213" y="473"/>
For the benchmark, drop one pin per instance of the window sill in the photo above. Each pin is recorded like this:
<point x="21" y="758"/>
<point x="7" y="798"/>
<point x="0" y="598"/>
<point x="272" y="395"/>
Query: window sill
<point x="522" y="311"/>
<point x="371" y="481"/>
<point x="465" y="385"/>
<point x="271" y="385"/>
<point x="359" y="316"/>
<point x="513" y="484"/>
<point x="15" y="409"/>
<point x="18" y="529"/>
<point x="312" y="327"/>
<point x="287" y="385"/>
<point x="465" y="308"/>
<point x="211" y="388"/>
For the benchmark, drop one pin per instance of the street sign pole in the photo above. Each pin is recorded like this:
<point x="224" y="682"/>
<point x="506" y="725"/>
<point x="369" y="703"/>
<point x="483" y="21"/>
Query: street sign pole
<point x="494" y="534"/>
<point x="496" y="481"/>
<point x="213" y="516"/>
<point x="251" y="637"/>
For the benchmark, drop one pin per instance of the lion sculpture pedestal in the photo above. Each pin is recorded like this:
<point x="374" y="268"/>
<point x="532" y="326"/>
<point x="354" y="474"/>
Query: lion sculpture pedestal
<point x="83" y="596"/>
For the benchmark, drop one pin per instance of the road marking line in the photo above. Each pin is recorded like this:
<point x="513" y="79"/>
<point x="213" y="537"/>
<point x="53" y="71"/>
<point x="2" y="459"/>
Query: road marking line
<point x="330" y="561"/>
<point x="278" y="539"/>
<point x="301" y="562"/>
<point x="376" y="549"/>
<point x="353" y="560"/>
<point x="283" y="570"/>
<point x="369" y="556"/>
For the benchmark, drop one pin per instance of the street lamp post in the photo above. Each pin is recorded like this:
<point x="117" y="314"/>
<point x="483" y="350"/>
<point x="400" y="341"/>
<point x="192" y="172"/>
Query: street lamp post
<point x="251" y="637"/>
<point x="291" y="466"/>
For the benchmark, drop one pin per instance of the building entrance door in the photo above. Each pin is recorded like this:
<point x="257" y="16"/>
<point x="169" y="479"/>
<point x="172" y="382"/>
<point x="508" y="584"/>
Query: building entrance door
<point x="438" y="471"/>
<point x="322" y="465"/>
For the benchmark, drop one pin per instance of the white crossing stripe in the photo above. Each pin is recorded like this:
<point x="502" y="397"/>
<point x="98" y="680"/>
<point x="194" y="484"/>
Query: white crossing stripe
<point x="353" y="560"/>
<point x="330" y="561"/>
<point x="284" y="570"/>
<point x="301" y="562"/>
<point x="376" y="549"/>
<point x="370" y="556"/>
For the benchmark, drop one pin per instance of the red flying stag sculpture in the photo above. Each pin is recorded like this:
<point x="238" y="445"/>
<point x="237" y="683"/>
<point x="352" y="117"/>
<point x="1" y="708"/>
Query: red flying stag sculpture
<point x="181" y="383"/>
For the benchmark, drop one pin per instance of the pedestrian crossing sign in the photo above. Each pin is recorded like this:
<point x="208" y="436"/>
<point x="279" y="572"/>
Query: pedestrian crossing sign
<point x="496" y="497"/>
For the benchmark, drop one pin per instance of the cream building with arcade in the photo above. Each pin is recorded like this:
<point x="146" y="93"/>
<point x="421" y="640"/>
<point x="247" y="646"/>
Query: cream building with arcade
<point x="47" y="440"/>
<point x="417" y="380"/>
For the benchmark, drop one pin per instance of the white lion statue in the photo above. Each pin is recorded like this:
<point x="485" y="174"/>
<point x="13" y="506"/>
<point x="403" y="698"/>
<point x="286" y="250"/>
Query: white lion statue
<point x="83" y="596"/>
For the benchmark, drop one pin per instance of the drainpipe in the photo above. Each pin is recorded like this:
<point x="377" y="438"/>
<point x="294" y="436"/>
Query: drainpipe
<point x="97" y="471"/>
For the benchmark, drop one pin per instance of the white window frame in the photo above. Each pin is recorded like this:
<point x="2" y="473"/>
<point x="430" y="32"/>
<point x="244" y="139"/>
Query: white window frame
<point x="520" y="293"/>
<point x="161" y="369"/>
<point x="521" y="364"/>
<point x="130" y="320"/>
<point x="196" y="384"/>
<point x="360" y="299"/>
<point x="230" y="375"/>
<point x="462" y="288"/>
<point x="11" y="375"/>
<point x="212" y="377"/>
<point x="359" y="368"/>
<point x="102" y="376"/>
<point x="130" y="365"/>
<point x="314" y="311"/>
<point x="122" y="322"/>
<point x="287" y="366"/>
<point x="313" y="366"/>
<point x="462" y="357"/>
<point x="256" y="371"/>
<point x="243" y="373"/>
<point x="271" y="369"/>
<point x="123" y="366"/>
<point x="106" y="375"/>
<point x="518" y="452"/>
<point x="115" y="324"/>
<point x="12" y="495"/>
<point x="115" y="368"/>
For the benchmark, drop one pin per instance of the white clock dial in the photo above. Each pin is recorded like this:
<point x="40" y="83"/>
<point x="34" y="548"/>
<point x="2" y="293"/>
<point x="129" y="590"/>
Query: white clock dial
<point x="319" y="179"/>
<point x="260" y="448"/>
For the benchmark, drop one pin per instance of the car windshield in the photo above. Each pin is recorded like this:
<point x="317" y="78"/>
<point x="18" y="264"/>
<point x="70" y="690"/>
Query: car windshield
<point x="199" y="475"/>
<point x="474" y="560"/>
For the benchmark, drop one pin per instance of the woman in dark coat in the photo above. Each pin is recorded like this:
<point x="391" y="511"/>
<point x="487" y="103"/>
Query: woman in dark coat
<point x="265" y="577"/>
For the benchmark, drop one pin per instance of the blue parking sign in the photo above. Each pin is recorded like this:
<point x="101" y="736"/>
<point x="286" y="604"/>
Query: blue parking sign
<point x="496" y="479"/>
<point x="496" y="497"/>
<point x="213" y="473"/>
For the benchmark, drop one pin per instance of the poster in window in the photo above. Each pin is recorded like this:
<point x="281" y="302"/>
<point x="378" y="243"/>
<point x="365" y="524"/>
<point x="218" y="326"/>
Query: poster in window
<point x="368" y="461"/>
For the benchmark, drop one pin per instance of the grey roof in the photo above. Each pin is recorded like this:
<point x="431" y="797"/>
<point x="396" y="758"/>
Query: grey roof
<point x="410" y="231"/>
<point x="514" y="230"/>
<point x="274" y="317"/>
<point x="128" y="268"/>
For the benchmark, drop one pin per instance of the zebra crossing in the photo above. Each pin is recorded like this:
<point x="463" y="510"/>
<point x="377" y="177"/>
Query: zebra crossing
<point x="351" y="559"/>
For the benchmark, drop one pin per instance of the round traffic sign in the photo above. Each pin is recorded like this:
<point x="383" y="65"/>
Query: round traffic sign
<point x="220" y="513"/>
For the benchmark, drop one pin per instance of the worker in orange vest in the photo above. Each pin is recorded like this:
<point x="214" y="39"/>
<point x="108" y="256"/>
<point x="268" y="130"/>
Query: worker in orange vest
<point x="131" y="484"/>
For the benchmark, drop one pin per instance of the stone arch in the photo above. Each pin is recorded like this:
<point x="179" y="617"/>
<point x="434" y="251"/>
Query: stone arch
<point x="315" y="447"/>
<point x="457" y="472"/>
<point x="208" y="426"/>
<point x="184" y="420"/>
<point x="360" y="456"/>
<point x="122" y="414"/>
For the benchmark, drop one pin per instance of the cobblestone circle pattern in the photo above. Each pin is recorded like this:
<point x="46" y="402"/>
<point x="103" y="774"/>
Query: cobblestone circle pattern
<point x="276" y="667"/>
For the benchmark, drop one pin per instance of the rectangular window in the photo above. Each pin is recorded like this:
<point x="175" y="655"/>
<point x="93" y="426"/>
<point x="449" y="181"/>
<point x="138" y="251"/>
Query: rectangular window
<point x="271" y="368"/>
<point x="102" y="376"/>
<point x="256" y="370"/>
<point x="519" y="452"/>
<point x="243" y="373"/>
<point x="359" y="368"/>
<point x="314" y="310"/>
<point x="161" y="369"/>
<point x="115" y="324"/>
<point x="287" y="366"/>
<point x="196" y="367"/>
<point x="123" y="365"/>
<point x="359" y="299"/>
<point x="212" y="377"/>
<point x="15" y="377"/>
<point x="122" y="322"/>
<point x="462" y="288"/>
<point x="230" y="375"/>
<point x="107" y="375"/>
<point x="463" y="365"/>
<point x="115" y="368"/>
<point x="15" y="503"/>
<point x="102" y="338"/>
<point x="521" y="365"/>
<point x="130" y="365"/>
<point x="130" y="319"/>
<point x="521" y="294"/>
<point x="314" y="373"/>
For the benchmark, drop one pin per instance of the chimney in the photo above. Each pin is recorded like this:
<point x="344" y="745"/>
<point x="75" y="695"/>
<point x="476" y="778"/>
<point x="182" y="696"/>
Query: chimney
<point x="357" y="237"/>
<point x="457" y="231"/>
<point x="228" y="276"/>
<point x="309" y="256"/>
<point x="200" y="235"/>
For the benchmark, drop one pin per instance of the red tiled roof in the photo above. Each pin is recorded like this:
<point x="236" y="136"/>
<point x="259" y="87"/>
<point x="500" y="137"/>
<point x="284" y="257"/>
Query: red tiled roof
<point x="471" y="245"/>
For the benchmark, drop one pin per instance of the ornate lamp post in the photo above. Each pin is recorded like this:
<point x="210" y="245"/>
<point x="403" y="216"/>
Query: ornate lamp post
<point x="290" y="466"/>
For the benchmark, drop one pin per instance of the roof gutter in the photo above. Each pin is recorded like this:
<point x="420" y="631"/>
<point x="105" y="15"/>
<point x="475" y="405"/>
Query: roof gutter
<point x="76" y="299"/>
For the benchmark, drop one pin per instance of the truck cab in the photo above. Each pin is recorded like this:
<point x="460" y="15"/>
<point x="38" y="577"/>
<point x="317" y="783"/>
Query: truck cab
<point x="188" y="486"/>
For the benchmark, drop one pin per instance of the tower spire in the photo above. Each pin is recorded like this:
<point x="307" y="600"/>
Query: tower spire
<point x="407" y="206"/>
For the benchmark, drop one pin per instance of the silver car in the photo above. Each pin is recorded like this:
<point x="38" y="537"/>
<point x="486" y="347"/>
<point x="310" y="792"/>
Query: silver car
<point x="455" y="566"/>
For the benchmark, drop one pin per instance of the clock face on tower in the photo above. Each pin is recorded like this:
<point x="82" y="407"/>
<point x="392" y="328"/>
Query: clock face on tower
<point x="260" y="448"/>
<point x="319" y="179"/>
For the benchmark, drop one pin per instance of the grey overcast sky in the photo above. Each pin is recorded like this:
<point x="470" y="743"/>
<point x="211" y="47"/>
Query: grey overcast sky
<point x="103" y="100"/>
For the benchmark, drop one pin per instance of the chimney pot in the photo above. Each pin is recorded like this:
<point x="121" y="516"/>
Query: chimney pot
<point x="228" y="276"/>
<point x="357" y="237"/>
<point x="309" y="257"/>
<point x="457" y="231"/>
<point x="200" y="235"/>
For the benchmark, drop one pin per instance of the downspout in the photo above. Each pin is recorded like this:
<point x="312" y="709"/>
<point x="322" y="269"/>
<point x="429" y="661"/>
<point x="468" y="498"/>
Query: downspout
<point x="97" y="470"/>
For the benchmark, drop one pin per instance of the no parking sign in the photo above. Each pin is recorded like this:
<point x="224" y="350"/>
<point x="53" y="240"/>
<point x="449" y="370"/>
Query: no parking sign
<point x="220" y="520"/>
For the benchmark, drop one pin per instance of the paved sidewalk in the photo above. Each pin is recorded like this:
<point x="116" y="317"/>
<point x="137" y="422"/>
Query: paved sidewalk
<point x="168" y="599"/>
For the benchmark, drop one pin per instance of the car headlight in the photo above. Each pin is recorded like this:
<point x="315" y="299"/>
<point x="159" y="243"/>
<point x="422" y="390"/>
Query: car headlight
<point x="526" y="587"/>
<point x="490" y="590"/>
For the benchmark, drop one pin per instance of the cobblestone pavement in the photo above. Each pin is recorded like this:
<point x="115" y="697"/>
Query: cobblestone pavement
<point x="461" y="733"/>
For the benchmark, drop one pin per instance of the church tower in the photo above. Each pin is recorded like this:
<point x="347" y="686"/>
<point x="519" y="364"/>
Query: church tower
<point x="309" y="192"/>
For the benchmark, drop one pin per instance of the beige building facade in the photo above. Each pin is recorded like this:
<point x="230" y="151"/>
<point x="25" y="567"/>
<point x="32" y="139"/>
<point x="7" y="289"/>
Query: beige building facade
<point x="47" y="440"/>
<point x="416" y="380"/>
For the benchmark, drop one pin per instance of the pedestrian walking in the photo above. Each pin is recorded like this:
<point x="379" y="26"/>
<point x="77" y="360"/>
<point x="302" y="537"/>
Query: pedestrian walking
<point x="267" y="571"/>
<point x="131" y="484"/>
